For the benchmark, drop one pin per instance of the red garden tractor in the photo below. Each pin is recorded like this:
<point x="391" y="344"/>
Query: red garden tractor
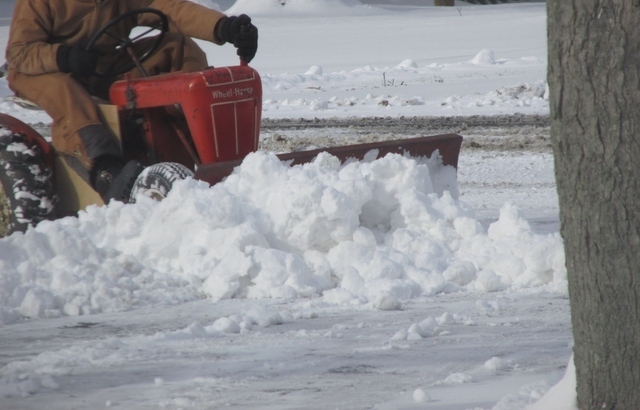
<point x="179" y="125"/>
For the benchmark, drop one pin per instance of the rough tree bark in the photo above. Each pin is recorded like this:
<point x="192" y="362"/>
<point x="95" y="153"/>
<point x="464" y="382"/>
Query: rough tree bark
<point x="594" y="82"/>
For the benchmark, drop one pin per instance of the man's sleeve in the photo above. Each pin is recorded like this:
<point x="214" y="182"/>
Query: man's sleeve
<point x="28" y="50"/>
<point x="189" y="18"/>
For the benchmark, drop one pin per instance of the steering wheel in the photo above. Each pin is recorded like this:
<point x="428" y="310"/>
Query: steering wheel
<point x="125" y="43"/>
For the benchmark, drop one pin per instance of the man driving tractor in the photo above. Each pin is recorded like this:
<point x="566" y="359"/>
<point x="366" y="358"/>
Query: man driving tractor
<point x="50" y="64"/>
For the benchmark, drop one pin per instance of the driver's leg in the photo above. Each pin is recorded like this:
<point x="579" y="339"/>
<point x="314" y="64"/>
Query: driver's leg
<point x="76" y="131"/>
<point x="74" y="114"/>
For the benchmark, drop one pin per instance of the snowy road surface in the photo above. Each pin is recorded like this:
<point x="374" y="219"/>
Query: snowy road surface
<point x="488" y="351"/>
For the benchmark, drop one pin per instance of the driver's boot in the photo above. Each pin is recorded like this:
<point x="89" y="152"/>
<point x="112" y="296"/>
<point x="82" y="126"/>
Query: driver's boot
<point x="113" y="179"/>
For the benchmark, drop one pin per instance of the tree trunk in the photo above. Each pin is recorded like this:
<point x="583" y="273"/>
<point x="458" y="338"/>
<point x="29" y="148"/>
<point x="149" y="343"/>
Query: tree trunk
<point x="593" y="74"/>
<point x="444" y="2"/>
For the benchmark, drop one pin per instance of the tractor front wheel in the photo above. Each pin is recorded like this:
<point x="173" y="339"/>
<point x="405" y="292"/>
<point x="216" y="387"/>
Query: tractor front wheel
<point x="157" y="180"/>
<point x="27" y="194"/>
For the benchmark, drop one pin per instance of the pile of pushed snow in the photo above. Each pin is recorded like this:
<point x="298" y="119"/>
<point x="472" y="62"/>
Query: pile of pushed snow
<point x="313" y="8"/>
<point x="534" y="95"/>
<point x="374" y="233"/>
<point x="484" y="57"/>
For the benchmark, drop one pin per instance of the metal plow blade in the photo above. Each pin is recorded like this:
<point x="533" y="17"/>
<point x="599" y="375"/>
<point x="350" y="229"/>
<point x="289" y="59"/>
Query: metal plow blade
<point x="447" y="145"/>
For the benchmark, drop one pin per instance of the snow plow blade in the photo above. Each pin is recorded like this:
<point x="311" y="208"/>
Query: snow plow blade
<point x="447" y="145"/>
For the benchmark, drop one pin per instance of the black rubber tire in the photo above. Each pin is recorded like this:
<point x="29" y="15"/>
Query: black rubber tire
<point x="157" y="180"/>
<point x="27" y="193"/>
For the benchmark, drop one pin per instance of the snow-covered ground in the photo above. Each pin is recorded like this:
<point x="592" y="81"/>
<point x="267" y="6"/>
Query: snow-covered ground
<point x="319" y="286"/>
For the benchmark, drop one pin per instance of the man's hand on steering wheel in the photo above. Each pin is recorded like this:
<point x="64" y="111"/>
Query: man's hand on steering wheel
<point x="241" y="33"/>
<point x="77" y="60"/>
<point x="83" y="61"/>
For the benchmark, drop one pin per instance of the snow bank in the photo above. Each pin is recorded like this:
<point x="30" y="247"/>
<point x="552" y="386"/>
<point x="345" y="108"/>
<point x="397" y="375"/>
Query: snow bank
<point x="484" y="57"/>
<point x="367" y="233"/>
<point x="561" y="395"/>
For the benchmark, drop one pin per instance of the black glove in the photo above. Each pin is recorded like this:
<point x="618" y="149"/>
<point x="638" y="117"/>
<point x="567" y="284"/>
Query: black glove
<point x="76" y="60"/>
<point x="241" y="33"/>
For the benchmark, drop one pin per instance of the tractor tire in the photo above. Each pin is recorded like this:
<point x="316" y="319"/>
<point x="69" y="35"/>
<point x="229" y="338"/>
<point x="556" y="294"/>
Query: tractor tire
<point x="157" y="180"/>
<point x="27" y="193"/>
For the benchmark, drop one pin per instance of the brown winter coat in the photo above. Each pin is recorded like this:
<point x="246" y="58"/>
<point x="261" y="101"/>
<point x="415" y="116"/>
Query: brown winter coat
<point x="40" y="26"/>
